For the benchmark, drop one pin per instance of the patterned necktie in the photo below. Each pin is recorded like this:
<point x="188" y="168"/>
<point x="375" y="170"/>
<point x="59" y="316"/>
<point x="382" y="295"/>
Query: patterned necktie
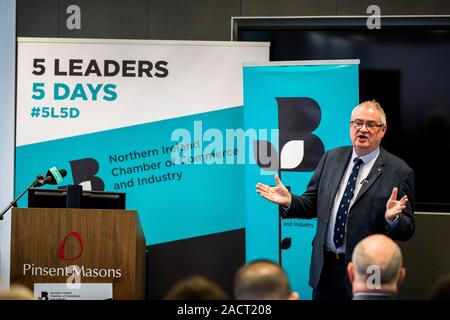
<point x="344" y="205"/>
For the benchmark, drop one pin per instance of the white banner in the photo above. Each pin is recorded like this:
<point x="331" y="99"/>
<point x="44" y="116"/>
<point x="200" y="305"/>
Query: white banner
<point x="78" y="291"/>
<point x="69" y="87"/>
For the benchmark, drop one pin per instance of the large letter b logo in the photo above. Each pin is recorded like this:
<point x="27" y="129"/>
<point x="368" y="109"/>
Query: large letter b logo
<point x="300" y="150"/>
<point x="84" y="172"/>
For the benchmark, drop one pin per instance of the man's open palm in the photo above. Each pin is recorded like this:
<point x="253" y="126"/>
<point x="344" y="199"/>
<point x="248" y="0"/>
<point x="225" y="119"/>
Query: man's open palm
<point x="279" y="194"/>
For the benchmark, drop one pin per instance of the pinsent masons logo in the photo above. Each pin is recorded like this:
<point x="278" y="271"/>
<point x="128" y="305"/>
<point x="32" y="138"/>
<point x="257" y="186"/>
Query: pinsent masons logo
<point x="74" y="273"/>
<point x="61" y="249"/>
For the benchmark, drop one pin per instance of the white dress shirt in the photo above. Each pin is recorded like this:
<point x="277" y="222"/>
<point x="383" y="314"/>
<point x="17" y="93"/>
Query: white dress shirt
<point x="368" y="161"/>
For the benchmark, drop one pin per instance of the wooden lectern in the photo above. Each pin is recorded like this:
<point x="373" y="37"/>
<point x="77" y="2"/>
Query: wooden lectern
<point x="107" y="245"/>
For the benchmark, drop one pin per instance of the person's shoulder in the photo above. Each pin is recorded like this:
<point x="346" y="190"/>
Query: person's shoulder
<point x="394" y="160"/>
<point x="340" y="151"/>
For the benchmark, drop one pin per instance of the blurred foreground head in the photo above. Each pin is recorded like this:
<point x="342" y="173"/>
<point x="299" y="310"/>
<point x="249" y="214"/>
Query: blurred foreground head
<point x="17" y="292"/>
<point x="262" y="280"/>
<point x="377" y="265"/>
<point x="196" y="288"/>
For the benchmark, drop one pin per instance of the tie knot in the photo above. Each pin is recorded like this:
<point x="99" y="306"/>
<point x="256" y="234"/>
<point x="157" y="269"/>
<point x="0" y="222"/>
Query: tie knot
<point x="357" y="161"/>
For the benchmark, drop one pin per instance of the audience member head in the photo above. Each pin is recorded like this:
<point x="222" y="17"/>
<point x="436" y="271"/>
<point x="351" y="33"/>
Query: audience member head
<point x="262" y="280"/>
<point x="441" y="289"/>
<point x="376" y="266"/>
<point x="196" y="288"/>
<point x="17" y="292"/>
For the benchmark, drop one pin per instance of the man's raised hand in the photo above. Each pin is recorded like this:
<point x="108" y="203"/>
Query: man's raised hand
<point x="393" y="206"/>
<point x="278" y="194"/>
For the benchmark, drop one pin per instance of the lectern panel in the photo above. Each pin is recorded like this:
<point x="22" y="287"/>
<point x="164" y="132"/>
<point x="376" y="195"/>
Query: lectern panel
<point x="106" y="246"/>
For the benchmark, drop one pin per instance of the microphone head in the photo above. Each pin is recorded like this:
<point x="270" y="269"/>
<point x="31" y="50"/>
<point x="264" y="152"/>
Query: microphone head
<point x="55" y="176"/>
<point x="63" y="173"/>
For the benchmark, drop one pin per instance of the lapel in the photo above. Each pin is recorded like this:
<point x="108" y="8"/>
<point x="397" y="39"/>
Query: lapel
<point x="339" y="170"/>
<point x="373" y="175"/>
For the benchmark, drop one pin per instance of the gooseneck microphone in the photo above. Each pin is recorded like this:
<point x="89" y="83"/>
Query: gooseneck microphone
<point x="53" y="176"/>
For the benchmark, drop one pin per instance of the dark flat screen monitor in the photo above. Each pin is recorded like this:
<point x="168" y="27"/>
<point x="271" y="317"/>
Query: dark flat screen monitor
<point x="56" y="198"/>
<point x="404" y="66"/>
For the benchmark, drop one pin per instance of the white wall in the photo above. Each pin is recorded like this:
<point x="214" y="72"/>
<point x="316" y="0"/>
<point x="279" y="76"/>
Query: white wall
<point x="7" y="110"/>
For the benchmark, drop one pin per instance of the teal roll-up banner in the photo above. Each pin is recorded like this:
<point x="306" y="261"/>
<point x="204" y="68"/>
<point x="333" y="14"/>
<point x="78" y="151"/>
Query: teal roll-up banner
<point x="298" y="110"/>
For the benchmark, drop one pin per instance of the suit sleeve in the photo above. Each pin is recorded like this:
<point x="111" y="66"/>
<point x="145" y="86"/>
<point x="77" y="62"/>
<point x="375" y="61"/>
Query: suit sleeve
<point x="305" y="206"/>
<point x="406" y="223"/>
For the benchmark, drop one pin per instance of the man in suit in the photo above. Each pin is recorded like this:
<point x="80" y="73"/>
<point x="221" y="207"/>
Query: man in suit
<point x="355" y="191"/>
<point x="376" y="270"/>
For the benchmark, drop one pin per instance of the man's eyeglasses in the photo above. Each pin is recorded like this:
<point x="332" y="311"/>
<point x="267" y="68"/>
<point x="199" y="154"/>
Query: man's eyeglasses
<point x="371" y="125"/>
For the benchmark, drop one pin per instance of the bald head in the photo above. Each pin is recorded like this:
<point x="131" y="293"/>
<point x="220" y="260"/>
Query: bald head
<point x="261" y="279"/>
<point x="379" y="251"/>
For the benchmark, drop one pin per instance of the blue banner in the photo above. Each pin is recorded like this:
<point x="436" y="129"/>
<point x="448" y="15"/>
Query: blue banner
<point x="174" y="200"/>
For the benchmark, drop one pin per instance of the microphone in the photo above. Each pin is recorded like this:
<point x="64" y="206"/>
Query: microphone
<point x="53" y="176"/>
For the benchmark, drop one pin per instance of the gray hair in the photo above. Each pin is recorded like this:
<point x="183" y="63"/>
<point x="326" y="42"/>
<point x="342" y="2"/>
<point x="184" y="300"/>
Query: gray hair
<point x="377" y="106"/>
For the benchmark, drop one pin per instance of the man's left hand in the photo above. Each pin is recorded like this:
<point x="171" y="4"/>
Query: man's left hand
<point x="393" y="206"/>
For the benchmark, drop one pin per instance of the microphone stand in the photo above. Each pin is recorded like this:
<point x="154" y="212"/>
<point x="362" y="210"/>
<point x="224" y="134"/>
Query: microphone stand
<point x="36" y="183"/>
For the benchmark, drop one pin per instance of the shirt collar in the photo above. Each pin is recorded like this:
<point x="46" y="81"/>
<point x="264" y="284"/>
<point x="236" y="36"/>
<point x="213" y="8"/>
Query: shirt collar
<point x="368" y="157"/>
<point x="373" y="293"/>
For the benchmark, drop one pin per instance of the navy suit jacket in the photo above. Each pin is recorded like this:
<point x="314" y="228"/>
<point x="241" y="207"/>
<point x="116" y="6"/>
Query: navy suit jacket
<point x="366" y="216"/>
